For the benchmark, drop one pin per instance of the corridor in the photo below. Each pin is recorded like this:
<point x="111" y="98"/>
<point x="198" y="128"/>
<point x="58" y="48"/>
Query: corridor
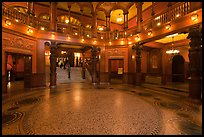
<point x="76" y="107"/>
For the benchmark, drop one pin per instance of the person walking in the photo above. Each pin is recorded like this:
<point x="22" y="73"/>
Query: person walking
<point x="68" y="69"/>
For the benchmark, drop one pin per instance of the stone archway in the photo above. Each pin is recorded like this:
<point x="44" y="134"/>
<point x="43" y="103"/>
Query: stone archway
<point x="178" y="68"/>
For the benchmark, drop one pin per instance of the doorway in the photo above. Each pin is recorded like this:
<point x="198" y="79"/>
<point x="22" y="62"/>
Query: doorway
<point x="178" y="69"/>
<point x="116" y="70"/>
<point x="18" y="72"/>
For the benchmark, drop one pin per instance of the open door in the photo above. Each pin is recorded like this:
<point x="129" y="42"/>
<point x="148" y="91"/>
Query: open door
<point x="28" y="71"/>
<point x="178" y="69"/>
<point x="116" y="70"/>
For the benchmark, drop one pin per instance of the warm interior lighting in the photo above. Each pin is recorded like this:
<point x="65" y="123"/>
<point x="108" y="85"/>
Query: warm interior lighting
<point x="194" y="17"/>
<point x="68" y="38"/>
<point x="82" y="40"/>
<point x="130" y="34"/>
<point x="75" y="33"/>
<point x="8" y="22"/>
<point x="119" y="19"/>
<point x="172" y="35"/>
<point x="53" y="35"/>
<point x="66" y="21"/>
<point x="177" y="15"/>
<point x="63" y="52"/>
<point x="110" y="42"/>
<point x="157" y="18"/>
<point x="172" y="51"/>
<point x="133" y="57"/>
<point x="116" y="37"/>
<point x="87" y="35"/>
<point x="158" y="24"/>
<point x="137" y="38"/>
<point x="94" y="42"/>
<point x="168" y="27"/>
<point x="76" y="55"/>
<point x="125" y="33"/>
<point x="16" y="20"/>
<point x="150" y="33"/>
<point x="29" y="30"/>
<point x="42" y="28"/>
<point x="122" y="42"/>
<point x="101" y="37"/>
<point x="101" y="28"/>
<point x="130" y="42"/>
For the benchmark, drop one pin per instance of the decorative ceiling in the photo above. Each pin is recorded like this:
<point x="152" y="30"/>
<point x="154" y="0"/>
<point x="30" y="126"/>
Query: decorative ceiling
<point x="169" y="39"/>
<point x="102" y="8"/>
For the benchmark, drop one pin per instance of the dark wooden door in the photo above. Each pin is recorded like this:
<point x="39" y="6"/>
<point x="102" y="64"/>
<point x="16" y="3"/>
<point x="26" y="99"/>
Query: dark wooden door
<point x="178" y="69"/>
<point x="116" y="70"/>
<point x="28" y="71"/>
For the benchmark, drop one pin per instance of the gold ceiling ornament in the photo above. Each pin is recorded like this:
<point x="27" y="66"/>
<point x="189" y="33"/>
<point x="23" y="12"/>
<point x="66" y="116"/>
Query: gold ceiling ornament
<point x="172" y="51"/>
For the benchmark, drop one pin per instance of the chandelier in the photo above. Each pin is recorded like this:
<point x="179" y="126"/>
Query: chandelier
<point x="172" y="51"/>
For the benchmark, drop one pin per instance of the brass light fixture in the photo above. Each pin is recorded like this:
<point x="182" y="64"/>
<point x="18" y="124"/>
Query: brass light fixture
<point x="168" y="27"/>
<point x="8" y="22"/>
<point x="194" y="17"/>
<point x="172" y="51"/>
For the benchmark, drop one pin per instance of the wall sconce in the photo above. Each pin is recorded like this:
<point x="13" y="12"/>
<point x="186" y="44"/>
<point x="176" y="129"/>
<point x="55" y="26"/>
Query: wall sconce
<point x="82" y="40"/>
<point x="75" y="33"/>
<point x="130" y="42"/>
<point x="177" y="15"/>
<point x="63" y="52"/>
<point x="133" y="57"/>
<point x="137" y="38"/>
<point x="101" y="37"/>
<point x="94" y="42"/>
<point x="53" y="35"/>
<point x="66" y="21"/>
<point x="168" y="27"/>
<point x="159" y="23"/>
<point x="150" y="33"/>
<point x="42" y="28"/>
<point x="110" y="42"/>
<point x="8" y="22"/>
<point x="29" y="30"/>
<point x="16" y="20"/>
<point x="122" y="42"/>
<point x="68" y="38"/>
<point x="194" y="17"/>
<point x="87" y="35"/>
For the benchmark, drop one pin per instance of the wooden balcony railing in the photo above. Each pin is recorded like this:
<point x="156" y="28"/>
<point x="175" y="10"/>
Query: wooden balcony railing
<point x="172" y="13"/>
<point x="169" y="14"/>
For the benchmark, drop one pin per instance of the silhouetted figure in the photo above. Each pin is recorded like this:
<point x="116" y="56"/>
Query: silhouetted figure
<point x="68" y="67"/>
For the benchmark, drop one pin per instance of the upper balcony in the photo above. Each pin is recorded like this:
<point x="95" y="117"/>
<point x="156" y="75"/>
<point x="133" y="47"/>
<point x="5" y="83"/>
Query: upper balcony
<point x="173" y="13"/>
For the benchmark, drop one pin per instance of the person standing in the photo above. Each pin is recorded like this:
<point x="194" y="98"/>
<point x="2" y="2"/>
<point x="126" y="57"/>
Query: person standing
<point x="68" y="69"/>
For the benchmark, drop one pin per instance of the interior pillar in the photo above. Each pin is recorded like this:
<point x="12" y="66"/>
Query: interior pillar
<point x="53" y="59"/>
<point x="195" y="61"/>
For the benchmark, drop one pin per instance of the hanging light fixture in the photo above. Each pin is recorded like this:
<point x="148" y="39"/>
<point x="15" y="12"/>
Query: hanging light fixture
<point x="172" y="51"/>
<point x="119" y="19"/>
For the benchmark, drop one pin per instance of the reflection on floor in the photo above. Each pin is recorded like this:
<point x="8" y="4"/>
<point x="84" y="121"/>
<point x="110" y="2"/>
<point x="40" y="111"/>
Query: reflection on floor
<point x="76" y="106"/>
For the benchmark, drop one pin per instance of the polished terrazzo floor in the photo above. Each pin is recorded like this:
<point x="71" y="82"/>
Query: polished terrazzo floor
<point x="76" y="106"/>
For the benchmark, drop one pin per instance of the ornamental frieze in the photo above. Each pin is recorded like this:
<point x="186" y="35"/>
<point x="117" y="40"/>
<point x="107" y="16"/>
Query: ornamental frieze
<point x="18" y="42"/>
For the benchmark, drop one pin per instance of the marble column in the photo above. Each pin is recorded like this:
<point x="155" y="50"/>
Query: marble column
<point x="125" y="20"/>
<point x="53" y="15"/>
<point x="53" y="59"/>
<point x="195" y="61"/>
<point x="139" y="16"/>
<point x="107" y="26"/>
<point x="94" y="24"/>
<point x="138" y="64"/>
<point x="83" y="66"/>
<point x="94" y="52"/>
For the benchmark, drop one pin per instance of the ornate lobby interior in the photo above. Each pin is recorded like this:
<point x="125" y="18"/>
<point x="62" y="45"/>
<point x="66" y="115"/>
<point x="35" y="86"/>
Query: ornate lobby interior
<point x="135" y="68"/>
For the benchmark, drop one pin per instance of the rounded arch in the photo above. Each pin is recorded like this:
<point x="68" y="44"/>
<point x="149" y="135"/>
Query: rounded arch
<point x="21" y="9"/>
<point x="64" y="18"/>
<point x="45" y="16"/>
<point x="178" y="67"/>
